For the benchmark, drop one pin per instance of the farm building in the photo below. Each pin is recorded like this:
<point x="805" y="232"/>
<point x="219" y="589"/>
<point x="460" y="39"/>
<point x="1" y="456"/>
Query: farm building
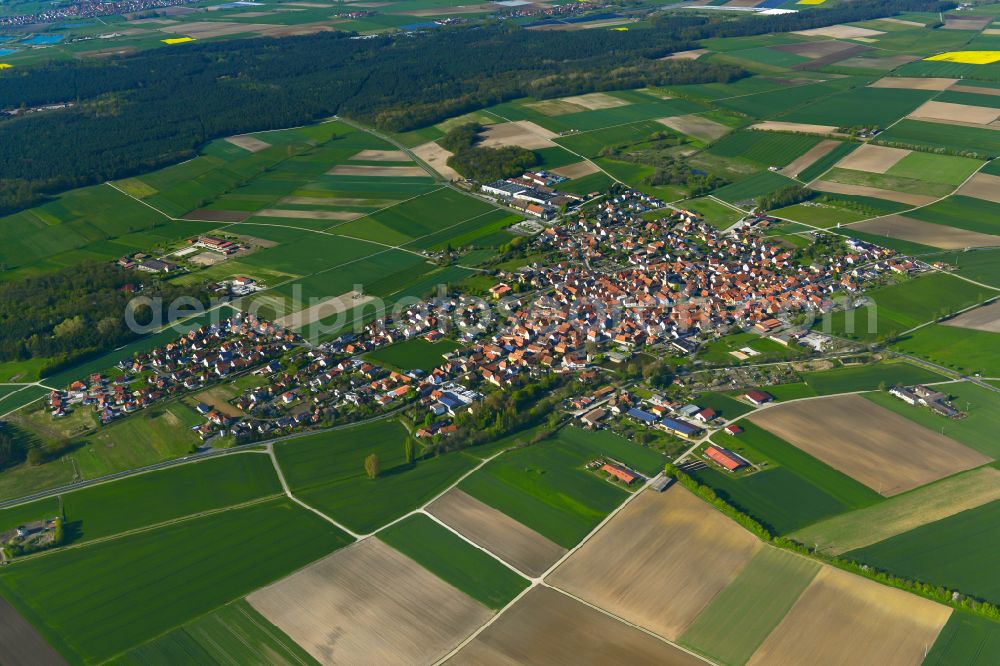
<point x="642" y="415"/>
<point x="678" y="427"/>
<point x="758" y="397"/>
<point x="594" y="416"/>
<point x="729" y="460"/>
<point x="733" y="429"/>
<point x="620" y="473"/>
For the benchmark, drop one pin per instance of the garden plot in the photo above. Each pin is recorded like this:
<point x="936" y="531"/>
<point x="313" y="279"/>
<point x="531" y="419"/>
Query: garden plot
<point x="873" y="159"/>
<point x="596" y="101"/>
<point x="659" y="562"/>
<point x="697" y="126"/>
<point x="436" y="158"/>
<point x="840" y="32"/>
<point x="577" y="170"/>
<point x="878" y="193"/>
<point x="520" y="546"/>
<point x="902" y="513"/>
<point x="926" y="233"/>
<point x="985" y="318"/>
<point x="248" y="142"/>
<point x="377" y="171"/>
<point x="982" y="186"/>
<point x="381" y="156"/>
<point x="333" y="215"/>
<point x="522" y="133"/>
<point x="845" y="619"/>
<point x="819" y="151"/>
<point x="370" y="604"/>
<point x="956" y="113"/>
<point x="548" y="627"/>
<point x="805" y="128"/>
<point x="883" y="450"/>
<point x="914" y="83"/>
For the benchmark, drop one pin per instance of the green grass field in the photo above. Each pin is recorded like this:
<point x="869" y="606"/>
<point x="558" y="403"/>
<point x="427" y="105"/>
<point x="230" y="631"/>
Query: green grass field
<point x="590" y="144"/>
<point x="963" y="349"/>
<point x="327" y="471"/>
<point x="764" y="148"/>
<point x="605" y="443"/>
<point x="43" y="509"/>
<point x="976" y="430"/>
<point x="981" y="265"/>
<point x="715" y="213"/>
<point x="962" y="213"/>
<point x="981" y="142"/>
<point x="724" y="405"/>
<point x="823" y="164"/>
<point x="899" y="513"/>
<point x="760" y="446"/>
<point x="741" y="616"/>
<point x="235" y="633"/>
<point x="755" y="186"/>
<point x="413" y="354"/>
<point x="861" y="106"/>
<point x="967" y="639"/>
<point x="544" y="487"/>
<point x="86" y="600"/>
<point x="819" y="215"/>
<point x="905" y="305"/>
<point x="156" y="497"/>
<point x="956" y="552"/>
<point x="867" y="377"/>
<point x="454" y="560"/>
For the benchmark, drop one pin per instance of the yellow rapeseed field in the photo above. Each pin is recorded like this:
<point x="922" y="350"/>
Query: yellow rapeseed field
<point x="177" y="40"/>
<point x="968" y="57"/>
<point x="810" y="2"/>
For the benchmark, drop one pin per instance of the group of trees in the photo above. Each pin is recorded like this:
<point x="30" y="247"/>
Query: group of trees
<point x="10" y="450"/>
<point x="484" y="164"/>
<point x="786" y="196"/>
<point x="660" y="152"/>
<point x="74" y="311"/>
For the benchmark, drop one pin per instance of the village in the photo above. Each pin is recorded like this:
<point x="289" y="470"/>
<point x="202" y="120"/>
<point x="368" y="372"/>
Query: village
<point x="626" y="285"/>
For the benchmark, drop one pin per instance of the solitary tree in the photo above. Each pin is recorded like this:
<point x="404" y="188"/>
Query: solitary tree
<point x="372" y="465"/>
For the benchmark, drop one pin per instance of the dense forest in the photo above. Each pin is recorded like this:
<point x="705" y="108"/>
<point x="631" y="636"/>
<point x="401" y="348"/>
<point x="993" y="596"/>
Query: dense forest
<point x="74" y="312"/>
<point x="484" y="164"/>
<point x="139" y="112"/>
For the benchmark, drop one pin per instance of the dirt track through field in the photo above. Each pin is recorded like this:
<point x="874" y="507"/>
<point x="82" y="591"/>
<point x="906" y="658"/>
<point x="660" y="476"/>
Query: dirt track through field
<point x="878" y="193"/>
<point x="846" y="619"/>
<point x="982" y="186"/>
<point x="376" y="171"/>
<point x="21" y="644"/>
<point x="926" y="233"/>
<point x="369" y="604"/>
<point x="659" y="562"/>
<point x="520" y="546"/>
<point x="548" y="627"/>
<point x="805" y="161"/>
<point x="873" y="159"/>
<point x="985" y="318"/>
<point x="962" y="113"/>
<point x="914" y="83"/>
<point x="881" y="449"/>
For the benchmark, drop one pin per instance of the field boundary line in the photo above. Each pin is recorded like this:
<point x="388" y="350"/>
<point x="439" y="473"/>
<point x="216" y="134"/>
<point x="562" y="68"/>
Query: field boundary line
<point x="474" y="544"/>
<point x="288" y="493"/>
<point x="148" y="528"/>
